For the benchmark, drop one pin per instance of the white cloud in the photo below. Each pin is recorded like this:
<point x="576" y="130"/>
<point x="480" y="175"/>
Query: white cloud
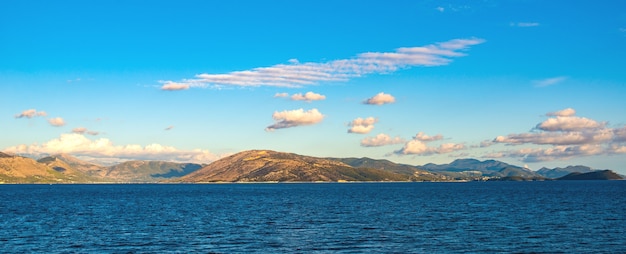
<point x="309" y="96"/>
<point x="567" y="136"/>
<point x="293" y="118"/>
<point x="380" y="99"/>
<point x="418" y="146"/>
<point x="362" y="126"/>
<point x="57" y="121"/>
<point x="296" y="74"/>
<point x="79" y="145"/>
<point x="174" y="86"/>
<point x="30" y="113"/>
<point x="549" y="81"/>
<point x="381" y="140"/>
<point x="568" y="123"/>
<point x="525" y="24"/>
<point x="83" y="130"/>
<point x="281" y="95"/>
<point x="564" y="112"/>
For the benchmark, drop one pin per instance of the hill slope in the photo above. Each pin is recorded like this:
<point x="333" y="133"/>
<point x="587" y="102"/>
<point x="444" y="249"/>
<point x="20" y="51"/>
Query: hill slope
<point x="595" y="175"/>
<point x="560" y="172"/>
<point x="17" y="169"/>
<point x="265" y="165"/>
<point x="464" y="168"/>
<point x="149" y="171"/>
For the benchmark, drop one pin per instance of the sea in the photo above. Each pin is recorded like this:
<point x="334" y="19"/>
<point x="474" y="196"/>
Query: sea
<point x="420" y="217"/>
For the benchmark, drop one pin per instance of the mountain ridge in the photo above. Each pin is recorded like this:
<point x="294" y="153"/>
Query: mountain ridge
<point x="267" y="166"/>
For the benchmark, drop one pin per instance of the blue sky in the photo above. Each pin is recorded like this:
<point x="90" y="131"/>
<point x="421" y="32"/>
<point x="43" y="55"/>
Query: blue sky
<point x="537" y="83"/>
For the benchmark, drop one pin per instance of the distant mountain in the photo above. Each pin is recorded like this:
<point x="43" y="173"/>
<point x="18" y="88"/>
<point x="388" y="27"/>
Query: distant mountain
<point x="386" y="165"/>
<point x="560" y="172"/>
<point x="269" y="166"/>
<point x="595" y="175"/>
<point x="80" y="165"/>
<point x="149" y="171"/>
<point x="468" y="168"/>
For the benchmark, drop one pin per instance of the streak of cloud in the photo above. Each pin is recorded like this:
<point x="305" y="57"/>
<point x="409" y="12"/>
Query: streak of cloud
<point x="296" y="74"/>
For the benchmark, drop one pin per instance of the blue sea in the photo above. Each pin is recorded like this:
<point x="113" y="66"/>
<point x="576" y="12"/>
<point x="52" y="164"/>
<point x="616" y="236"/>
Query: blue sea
<point x="471" y="217"/>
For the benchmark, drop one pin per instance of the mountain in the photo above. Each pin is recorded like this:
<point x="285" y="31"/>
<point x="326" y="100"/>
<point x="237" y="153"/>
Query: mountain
<point x="594" y="175"/>
<point x="386" y="165"/>
<point x="472" y="168"/>
<point x="17" y="169"/>
<point x="149" y="171"/>
<point x="560" y="172"/>
<point x="270" y="166"/>
<point x="80" y="165"/>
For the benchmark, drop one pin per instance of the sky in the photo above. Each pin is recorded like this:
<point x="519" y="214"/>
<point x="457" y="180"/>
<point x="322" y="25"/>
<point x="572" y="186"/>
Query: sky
<point x="531" y="83"/>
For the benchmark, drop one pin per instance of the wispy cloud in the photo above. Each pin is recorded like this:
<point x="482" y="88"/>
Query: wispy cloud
<point x="296" y="74"/>
<point x="381" y="140"/>
<point x="56" y="122"/>
<point x="362" y="126"/>
<point x="79" y="145"/>
<point x="293" y="118"/>
<point x="524" y="24"/>
<point x="30" y="113"/>
<point x="380" y="99"/>
<point x="308" y="96"/>
<point x="567" y="136"/>
<point x="549" y="81"/>
<point x="418" y="146"/>
<point x="83" y="130"/>
<point x="174" y="86"/>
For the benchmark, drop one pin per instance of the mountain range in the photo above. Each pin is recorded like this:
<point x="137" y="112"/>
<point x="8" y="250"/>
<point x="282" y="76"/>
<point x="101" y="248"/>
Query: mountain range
<point x="272" y="166"/>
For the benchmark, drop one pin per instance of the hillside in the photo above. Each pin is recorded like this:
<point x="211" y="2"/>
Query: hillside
<point x="269" y="166"/>
<point x="386" y="165"/>
<point x="149" y="171"/>
<point x="474" y="169"/>
<point x="17" y="169"/>
<point x="560" y="172"/>
<point x="595" y="175"/>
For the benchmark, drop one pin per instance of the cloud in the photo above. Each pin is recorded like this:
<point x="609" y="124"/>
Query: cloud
<point x="281" y="95"/>
<point x="174" y="86"/>
<point x="568" y="123"/>
<point x="440" y="9"/>
<point x="524" y="24"/>
<point x="549" y="81"/>
<point x="418" y="146"/>
<point x="362" y="126"/>
<point x="380" y="99"/>
<point x="169" y="127"/>
<point x="564" y="112"/>
<point x="567" y="136"/>
<point x="83" y="130"/>
<point x="309" y="96"/>
<point x="56" y="122"/>
<point x="297" y="74"/>
<point x="293" y="118"/>
<point x="79" y="145"/>
<point x="30" y="113"/>
<point x="381" y="140"/>
<point x="425" y="138"/>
